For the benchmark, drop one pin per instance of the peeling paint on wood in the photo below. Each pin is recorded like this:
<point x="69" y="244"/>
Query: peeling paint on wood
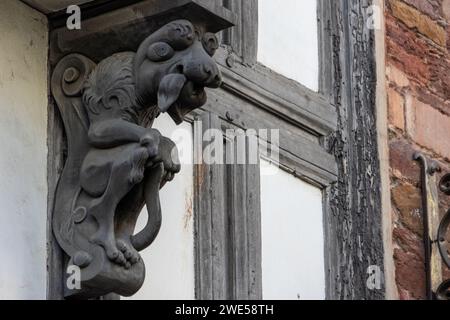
<point x="354" y="218"/>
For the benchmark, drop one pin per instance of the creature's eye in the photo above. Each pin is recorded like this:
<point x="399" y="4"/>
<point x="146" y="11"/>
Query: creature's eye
<point x="160" y="51"/>
<point x="181" y="35"/>
<point x="210" y="43"/>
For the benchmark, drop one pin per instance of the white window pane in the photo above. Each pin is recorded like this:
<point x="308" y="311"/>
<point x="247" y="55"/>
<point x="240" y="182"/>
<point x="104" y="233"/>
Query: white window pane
<point x="292" y="237"/>
<point x="169" y="261"/>
<point x="287" y="40"/>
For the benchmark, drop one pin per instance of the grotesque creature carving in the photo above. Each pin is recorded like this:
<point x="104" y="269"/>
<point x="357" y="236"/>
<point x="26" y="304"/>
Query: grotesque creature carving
<point x="116" y="162"/>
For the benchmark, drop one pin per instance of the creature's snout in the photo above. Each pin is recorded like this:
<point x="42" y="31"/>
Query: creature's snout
<point x="177" y="65"/>
<point x="186" y="83"/>
<point x="203" y="72"/>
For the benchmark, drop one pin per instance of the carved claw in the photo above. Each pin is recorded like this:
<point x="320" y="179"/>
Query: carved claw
<point x="168" y="156"/>
<point x="151" y="140"/>
<point x="130" y="254"/>
<point x="139" y="160"/>
<point x="112" y="253"/>
<point x="120" y="260"/>
<point x="106" y="240"/>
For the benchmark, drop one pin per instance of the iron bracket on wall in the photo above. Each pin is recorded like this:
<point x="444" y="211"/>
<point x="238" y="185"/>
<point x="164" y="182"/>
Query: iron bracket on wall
<point x="435" y="229"/>
<point x="443" y="292"/>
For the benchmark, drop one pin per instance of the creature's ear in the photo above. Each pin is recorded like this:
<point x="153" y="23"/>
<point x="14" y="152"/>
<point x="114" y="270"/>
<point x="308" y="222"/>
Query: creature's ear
<point x="169" y="90"/>
<point x="210" y="43"/>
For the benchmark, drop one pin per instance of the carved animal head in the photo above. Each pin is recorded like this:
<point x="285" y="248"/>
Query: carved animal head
<point x="173" y="66"/>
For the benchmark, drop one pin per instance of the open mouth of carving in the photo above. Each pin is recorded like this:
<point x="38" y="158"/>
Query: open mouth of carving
<point x="178" y="96"/>
<point x="192" y="96"/>
<point x="197" y="91"/>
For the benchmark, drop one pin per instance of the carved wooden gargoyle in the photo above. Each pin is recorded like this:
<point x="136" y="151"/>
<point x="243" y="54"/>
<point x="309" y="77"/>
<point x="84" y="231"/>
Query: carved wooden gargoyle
<point x="116" y="162"/>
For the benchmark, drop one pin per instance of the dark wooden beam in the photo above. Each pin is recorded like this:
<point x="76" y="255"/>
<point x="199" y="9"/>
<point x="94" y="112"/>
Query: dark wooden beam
<point x="354" y="215"/>
<point x="89" y="10"/>
<point x="125" y="28"/>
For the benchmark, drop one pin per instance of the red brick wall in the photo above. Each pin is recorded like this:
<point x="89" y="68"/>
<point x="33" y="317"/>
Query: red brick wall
<point x="418" y="80"/>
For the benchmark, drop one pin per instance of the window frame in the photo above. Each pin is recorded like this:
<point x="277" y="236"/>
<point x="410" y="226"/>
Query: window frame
<point x="253" y="96"/>
<point x="330" y="155"/>
<point x="227" y="220"/>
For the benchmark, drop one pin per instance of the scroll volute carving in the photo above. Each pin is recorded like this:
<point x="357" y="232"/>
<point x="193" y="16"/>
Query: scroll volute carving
<point x="116" y="162"/>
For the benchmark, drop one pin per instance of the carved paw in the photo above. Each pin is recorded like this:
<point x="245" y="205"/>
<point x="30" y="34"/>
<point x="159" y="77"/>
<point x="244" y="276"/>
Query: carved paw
<point x="139" y="161"/>
<point x="130" y="254"/>
<point x="116" y="256"/>
<point x="168" y="155"/>
<point x="110" y="247"/>
<point x="151" y="140"/>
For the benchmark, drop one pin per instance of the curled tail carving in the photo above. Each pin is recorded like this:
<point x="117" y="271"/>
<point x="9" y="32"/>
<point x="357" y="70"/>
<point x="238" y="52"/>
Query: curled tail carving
<point x="152" y="185"/>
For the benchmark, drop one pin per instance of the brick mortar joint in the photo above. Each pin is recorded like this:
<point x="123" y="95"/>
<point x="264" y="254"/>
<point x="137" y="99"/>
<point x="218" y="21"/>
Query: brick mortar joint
<point x="438" y="17"/>
<point x="420" y="22"/>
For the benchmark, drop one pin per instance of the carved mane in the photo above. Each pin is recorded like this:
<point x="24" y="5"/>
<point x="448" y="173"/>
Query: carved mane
<point x="112" y="82"/>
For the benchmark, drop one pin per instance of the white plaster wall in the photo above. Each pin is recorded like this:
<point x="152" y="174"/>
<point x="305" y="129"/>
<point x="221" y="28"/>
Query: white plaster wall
<point x="23" y="151"/>
<point x="288" y="39"/>
<point x="292" y="237"/>
<point x="170" y="259"/>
